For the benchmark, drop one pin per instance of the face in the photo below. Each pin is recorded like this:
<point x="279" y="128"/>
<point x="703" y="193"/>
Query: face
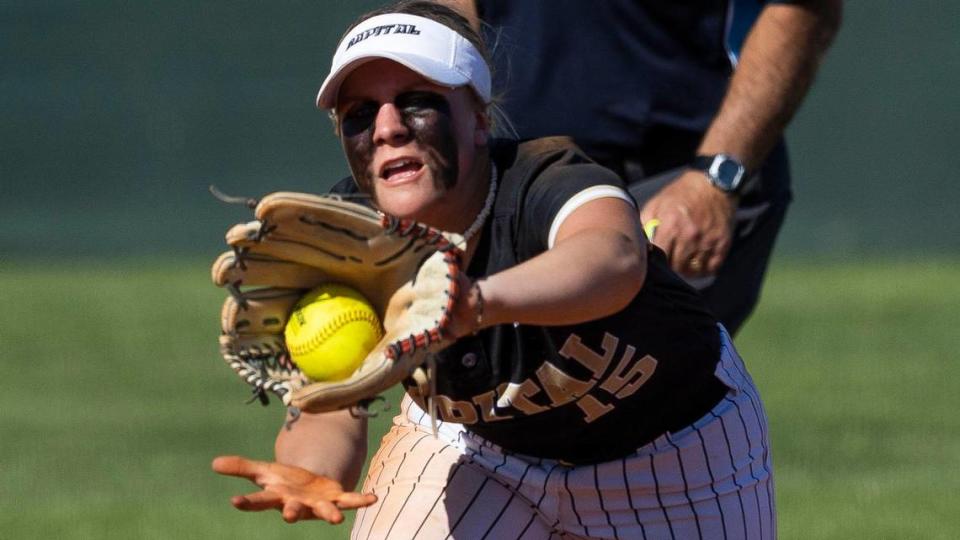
<point x="412" y="144"/>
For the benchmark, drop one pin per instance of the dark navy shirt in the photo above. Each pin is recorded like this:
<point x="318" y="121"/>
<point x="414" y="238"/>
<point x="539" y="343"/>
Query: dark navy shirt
<point x="639" y="79"/>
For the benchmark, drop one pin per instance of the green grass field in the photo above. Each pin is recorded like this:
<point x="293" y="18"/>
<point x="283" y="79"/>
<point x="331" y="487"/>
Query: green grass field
<point x="114" y="400"/>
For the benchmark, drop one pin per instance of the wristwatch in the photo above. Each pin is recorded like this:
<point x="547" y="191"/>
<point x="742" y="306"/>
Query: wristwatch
<point x="723" y="171"/>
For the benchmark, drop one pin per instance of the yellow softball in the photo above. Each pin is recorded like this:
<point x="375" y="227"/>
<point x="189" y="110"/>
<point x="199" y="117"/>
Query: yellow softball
<point x="330" y="331"/>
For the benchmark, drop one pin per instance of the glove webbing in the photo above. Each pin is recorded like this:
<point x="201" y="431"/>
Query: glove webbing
<point x="430" y="236"/>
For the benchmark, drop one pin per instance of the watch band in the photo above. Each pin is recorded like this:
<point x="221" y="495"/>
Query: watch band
<point x="702" y="162"/>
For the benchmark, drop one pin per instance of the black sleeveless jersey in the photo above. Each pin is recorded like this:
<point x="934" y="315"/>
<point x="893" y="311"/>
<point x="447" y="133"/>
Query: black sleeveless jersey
<point x="587" y="392"/>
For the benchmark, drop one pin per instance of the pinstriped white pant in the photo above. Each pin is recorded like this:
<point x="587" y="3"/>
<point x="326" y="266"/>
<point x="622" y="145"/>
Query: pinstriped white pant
<point x="711" y="480"/>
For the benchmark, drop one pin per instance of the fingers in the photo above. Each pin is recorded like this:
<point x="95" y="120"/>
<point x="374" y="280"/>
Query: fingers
<point x="692" y="265"/>
<point x="352" y="500"/>
<point x="238" y="466"/>
<point x="691" y="253"/>
<point x="715" y="260"/>
<point x="294" y="511"/>
<point x="695" y="224"/>
<point x="331" y="511"/>
<point x="709" y="257"/>
<point x="327" y="510"/>
<point x="691" y="249"/>
<point x="698" y="263"/>
<point x="258" y="501"/>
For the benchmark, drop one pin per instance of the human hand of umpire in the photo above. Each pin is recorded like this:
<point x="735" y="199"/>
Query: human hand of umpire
<point x="297" y="493"/>
<point x="696" y="223"/>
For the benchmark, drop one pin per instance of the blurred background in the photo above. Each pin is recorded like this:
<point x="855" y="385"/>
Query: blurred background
<point x="116" y="116"/>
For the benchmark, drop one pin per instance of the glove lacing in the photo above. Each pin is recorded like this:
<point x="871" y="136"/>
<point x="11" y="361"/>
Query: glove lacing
<point x="471" y="231"/>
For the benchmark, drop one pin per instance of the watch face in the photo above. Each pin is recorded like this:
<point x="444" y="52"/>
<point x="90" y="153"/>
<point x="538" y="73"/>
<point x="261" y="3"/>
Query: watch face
<point x="727" y="173"/>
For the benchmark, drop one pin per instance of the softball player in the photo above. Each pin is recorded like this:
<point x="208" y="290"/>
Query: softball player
<point x="709" y="480"/>
<point x="588" y="394"/>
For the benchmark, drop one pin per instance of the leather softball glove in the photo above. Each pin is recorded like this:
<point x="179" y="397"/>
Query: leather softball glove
<point x="408" y="272"/>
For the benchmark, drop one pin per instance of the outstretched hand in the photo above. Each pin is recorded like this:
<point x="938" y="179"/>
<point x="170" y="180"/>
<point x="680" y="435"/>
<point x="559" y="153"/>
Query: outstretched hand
<point x="297" y="493"/>
<point x="695" y="224"/>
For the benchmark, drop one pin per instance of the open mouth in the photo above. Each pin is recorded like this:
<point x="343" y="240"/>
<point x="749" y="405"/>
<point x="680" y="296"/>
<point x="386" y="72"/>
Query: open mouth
<point x="400" y="169"/>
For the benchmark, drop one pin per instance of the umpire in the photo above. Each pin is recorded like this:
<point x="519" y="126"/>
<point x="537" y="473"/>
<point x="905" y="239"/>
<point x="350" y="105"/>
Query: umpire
<point x="688" y="101"/>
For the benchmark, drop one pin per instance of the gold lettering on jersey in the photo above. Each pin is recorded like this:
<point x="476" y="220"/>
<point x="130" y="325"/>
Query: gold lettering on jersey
<point x="560" y="387"/>
<point x="486" y="402"/>
<point x="518" y="396"/>
<point x="593" y="408"/>
<point x="627" y="378"/>
<point x="458" y="412"/>
<point x="574" y="348"/>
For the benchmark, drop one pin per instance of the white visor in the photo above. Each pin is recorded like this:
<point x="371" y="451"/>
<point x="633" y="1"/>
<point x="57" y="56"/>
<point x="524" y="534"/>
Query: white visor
<point x="431" y="49"/>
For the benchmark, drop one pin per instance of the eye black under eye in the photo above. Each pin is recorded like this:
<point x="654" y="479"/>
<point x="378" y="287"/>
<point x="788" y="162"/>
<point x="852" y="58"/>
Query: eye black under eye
<point x="367" y="109"/>
<point x="422" y="101"/>
<point x="362" y="116"/>
<point x="359" y="118"/>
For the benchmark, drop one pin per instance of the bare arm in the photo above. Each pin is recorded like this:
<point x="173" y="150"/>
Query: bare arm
<point x="595" y="268"/>
<point x="330" y="444"/>
<point x="777" y="66"/>
<point x="778" y="62"/>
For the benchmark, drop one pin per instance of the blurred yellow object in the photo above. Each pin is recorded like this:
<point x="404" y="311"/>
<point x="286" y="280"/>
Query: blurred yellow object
<point x="650" y="227"/>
